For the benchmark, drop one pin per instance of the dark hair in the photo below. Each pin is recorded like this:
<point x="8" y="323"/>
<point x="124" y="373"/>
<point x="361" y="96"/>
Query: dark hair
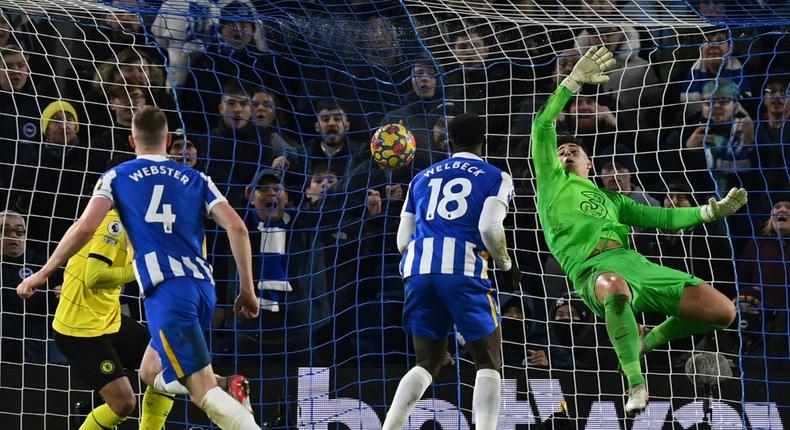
<point x="324" y="168"/>
<point x="118" y="159"/>
<point x="565" y="138"/>
<point x="615" y="165"/>
<point x="466" y="132"/>
<point x="327" y="104"/>
<point x="150" y="123"/>
<point x="232" y="87"/>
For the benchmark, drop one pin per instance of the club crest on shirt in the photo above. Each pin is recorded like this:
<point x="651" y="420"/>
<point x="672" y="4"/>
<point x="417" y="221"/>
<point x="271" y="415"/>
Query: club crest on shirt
<point x="106" y="367"/>
<point x="594" y="205"/>
<point x="25" y="272"/>
<point x="115" y="228"/>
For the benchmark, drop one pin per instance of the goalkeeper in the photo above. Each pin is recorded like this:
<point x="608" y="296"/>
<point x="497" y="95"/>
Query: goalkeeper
<point x="586" y="229"/>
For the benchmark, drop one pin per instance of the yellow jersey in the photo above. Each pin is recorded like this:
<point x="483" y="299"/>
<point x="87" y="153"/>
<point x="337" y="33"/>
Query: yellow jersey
<point x="86" y="310"/>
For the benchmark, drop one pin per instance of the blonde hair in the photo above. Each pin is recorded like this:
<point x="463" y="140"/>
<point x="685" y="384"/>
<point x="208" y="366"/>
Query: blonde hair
<point x="768" y="227"/>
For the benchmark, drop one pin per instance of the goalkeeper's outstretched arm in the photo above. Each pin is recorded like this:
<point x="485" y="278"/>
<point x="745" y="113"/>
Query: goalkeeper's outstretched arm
<point x="638" y="215"/>
<point x="589" y="70"/>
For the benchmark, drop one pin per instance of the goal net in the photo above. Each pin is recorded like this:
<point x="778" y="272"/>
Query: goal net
<point x="277" y="100"/>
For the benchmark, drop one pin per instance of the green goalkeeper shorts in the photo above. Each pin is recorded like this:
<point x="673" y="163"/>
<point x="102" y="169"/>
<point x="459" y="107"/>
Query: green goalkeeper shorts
<point x="654" y="288"/>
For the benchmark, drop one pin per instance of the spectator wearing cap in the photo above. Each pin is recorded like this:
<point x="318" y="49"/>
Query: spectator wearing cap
<point x="183" y="150"/>
<point x="720" y="137"/>
<point x="712" y="67"/>
<point x="267" y="222"/>
<point x="616" y="176"/>
<point x="702" y="250"/>
<point x="25" y="326"/>
<point x="728" y="139"/>
<point x="764" y="272"/>
<point x="52" y="175"/>
<point x="573" y="341"/>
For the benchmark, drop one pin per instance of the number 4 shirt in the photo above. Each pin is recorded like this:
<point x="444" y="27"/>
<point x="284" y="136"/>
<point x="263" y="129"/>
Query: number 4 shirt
<point x="447" y="199"/>
<point x="162" y="205"/>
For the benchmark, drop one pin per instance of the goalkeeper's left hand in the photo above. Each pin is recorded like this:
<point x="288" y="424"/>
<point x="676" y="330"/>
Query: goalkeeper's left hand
<point x="590" y="69"/>
<point x="727" y="206"/>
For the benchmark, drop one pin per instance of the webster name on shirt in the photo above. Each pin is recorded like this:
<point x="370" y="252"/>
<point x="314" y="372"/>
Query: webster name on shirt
<point x="159" y="170"/>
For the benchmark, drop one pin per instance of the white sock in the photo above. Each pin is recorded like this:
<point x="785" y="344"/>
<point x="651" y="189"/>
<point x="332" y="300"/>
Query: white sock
<point x="226" y="412"/>
<point x="410" y="390"/>
<point x="174" y="387"/>
<point x="485" y="399"/>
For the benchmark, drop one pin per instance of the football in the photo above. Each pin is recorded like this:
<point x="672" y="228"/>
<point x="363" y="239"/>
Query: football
<point x="393" y="146"/>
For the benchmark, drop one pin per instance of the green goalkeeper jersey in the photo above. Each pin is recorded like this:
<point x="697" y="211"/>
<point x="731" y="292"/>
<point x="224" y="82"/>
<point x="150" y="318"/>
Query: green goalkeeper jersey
<point x="575" y="214"/>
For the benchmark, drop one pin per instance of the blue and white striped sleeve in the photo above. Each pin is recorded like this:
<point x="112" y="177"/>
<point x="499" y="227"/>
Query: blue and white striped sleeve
<point x="212" y="196"/>
<point x="503" y="189"/>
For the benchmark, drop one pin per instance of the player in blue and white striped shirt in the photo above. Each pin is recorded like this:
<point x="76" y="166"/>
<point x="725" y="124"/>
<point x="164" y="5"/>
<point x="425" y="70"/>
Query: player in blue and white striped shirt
<point x="162" y="204"/>
<point x="450" y="224"/>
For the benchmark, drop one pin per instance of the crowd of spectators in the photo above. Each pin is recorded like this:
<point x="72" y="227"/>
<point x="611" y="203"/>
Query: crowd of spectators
<point x="279" y="115"/>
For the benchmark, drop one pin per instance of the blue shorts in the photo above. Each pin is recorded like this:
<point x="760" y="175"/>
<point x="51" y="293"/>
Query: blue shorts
<point x="179" y="312"/>
<point x="434" y="302"/>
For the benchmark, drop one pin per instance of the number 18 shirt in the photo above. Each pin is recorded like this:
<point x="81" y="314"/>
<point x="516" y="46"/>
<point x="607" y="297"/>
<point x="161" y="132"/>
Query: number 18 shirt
<point x="162" y="205"/>
<point x="446" y="200"/>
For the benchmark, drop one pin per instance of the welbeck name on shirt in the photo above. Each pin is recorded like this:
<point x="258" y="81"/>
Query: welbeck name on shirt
<point x="474" y="170"/>
<point x="158" y="170"/>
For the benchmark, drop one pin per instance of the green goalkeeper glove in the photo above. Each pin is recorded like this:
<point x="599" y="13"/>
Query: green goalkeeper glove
<point x="590" y="69"/>
<point x="727" y="206"/>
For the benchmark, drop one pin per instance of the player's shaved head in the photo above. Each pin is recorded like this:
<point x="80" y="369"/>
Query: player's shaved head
<point x="149" y="127"/>
<point x="466" y="132"/>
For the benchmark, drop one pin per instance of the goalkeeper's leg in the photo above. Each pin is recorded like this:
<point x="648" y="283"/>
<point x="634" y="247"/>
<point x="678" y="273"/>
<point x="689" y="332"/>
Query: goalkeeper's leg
<point x="702" y="309"/>
<point x="613" y="292"/>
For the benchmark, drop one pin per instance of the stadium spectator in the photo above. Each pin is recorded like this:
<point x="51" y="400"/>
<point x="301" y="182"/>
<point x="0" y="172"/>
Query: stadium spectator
<point x="232" y="148"/>
<point x="522" y="117"/>
<point x="235" y="56"/>
<point x="702" y="251"/>
<point x="183" y="150"/>
<point x="728" y="137"/>
<point x="18" y="104"/>
<point x="617" y="177"/>
<point x="712" y="67"/>
<point x="764" y="272"/>
<point x="25" y="326"/>
<point x="598" y="127"/>
<point x="129" y="67"/>
<point x="478" y="84"/>
<point x="632" y="83"/>
<point x="52" y="176"/>
<point x="333" y="146"/>
<point x="416" y="113"/>
<point x="124" y="100"/>
<point x="116" y="31"/>
<point x="265" y="118"/>
<point x="772" y="135"/>
<point x="6" y="30"/>
<point x="573" y="341"/>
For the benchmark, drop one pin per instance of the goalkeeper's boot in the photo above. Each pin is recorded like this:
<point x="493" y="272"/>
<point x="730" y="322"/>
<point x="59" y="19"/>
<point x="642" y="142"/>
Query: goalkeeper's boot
<point x="637" y="400"/>
<point x="239" y="389"/>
